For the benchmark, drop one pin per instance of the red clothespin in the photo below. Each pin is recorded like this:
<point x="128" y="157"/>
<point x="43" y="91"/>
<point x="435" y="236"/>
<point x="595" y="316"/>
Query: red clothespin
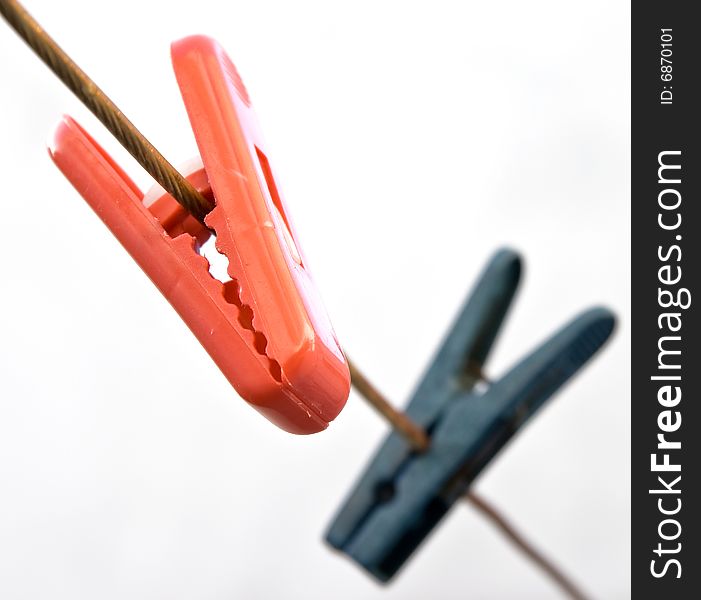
<point x="265" y="328"/>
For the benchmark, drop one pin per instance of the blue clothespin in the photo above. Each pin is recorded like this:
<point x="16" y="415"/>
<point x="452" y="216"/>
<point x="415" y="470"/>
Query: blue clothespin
<point x="403" y="495"/>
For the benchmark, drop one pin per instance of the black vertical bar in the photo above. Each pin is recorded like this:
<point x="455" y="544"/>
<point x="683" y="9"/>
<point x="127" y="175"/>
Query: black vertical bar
<point x="666" y="262"/>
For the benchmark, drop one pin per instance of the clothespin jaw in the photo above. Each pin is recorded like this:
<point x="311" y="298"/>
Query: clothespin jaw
<point x="403" y="495"/>
<point x="265" y="327"/>
<point x="461" y="357"/>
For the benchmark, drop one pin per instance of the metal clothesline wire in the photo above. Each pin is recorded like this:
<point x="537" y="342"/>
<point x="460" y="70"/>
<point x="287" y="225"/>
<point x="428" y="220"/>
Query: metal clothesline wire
<point x="195" y="203"/>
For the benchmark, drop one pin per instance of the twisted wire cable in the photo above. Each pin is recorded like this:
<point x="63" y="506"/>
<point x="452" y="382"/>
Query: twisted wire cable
<point x="104" y="109"/>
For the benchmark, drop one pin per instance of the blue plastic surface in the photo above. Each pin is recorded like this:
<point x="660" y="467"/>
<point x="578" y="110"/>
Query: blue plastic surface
<point x="402" y="495"/>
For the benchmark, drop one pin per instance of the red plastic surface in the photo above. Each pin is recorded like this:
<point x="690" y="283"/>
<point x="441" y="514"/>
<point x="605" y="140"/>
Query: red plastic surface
<point x="265" y="328"/>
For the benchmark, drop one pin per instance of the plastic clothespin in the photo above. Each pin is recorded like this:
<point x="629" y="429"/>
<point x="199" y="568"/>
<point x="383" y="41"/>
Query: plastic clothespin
<point x="403" y="495"/>
<point x="266" y="327"/>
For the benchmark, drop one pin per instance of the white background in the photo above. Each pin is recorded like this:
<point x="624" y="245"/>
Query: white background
<point x="411" y="140"/>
